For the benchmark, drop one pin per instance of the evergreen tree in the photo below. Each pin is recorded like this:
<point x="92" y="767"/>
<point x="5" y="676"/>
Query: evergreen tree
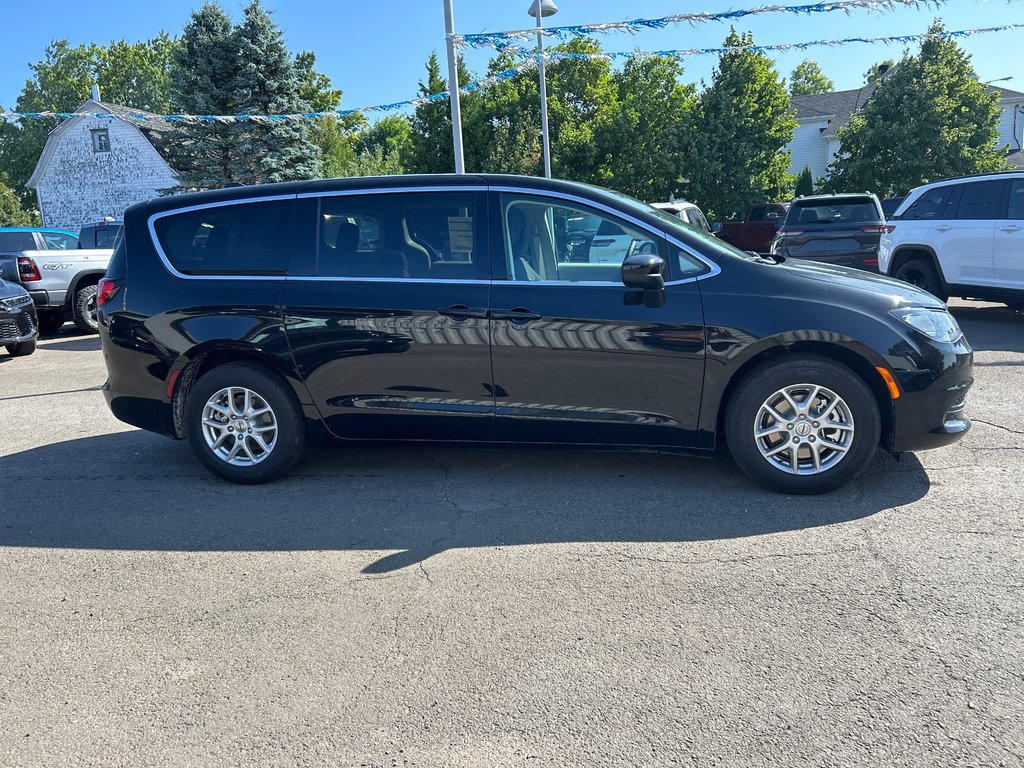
<point x="804" y="183"/>
<point x="503" y="130"/>
<point x="807" y="78"/>
<point x="928" y="119"/>
<point x="744" y="122"/>
<point x="875" y="71"/>
<point x="224" y="69"/>
<point x="432" y="149"/>
<point x="642" y="143"/>
<point x="334" y="136"/>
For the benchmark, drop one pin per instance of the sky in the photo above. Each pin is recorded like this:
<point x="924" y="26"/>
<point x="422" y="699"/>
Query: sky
<point x="375" y="51"/>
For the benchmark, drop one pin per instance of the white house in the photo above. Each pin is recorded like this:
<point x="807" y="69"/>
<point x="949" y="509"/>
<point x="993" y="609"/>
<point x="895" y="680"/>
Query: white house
<point x="819" y="116"/>
<point x="93" y="167"/>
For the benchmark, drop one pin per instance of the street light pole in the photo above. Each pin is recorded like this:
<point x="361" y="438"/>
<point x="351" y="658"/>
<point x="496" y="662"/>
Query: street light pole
<point x="453" y="88"/>
<point x="540" y="9"/>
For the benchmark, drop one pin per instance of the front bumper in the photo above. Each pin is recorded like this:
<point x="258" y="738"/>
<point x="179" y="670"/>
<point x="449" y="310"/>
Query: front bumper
<point x="18" y="326"/>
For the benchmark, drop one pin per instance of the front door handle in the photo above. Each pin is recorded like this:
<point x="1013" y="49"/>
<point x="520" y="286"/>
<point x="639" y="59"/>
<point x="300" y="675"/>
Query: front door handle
<point x="1010" y="228"/>
<point x="943" y="228"/>
<point x="517" y="315"/>
<point x="462" y="312"/>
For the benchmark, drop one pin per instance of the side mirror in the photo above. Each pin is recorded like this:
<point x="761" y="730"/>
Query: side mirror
<point x="716" y="228"/>
<point x="643" y="270"/>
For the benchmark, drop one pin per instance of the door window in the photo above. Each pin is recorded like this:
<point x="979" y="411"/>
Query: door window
<point x="414" y="235"/>
<point x="58" y="241"/>
<point x="1016" y="203"/>
<point x="930" y="205"/>
<point x="980" y="201"/>
<point x="549" y="241"/>
<point x="757" y="214"/>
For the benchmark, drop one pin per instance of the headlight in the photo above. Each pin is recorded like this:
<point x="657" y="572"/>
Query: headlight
<point x="936" y="324"/>
<point x="14" y="302"/>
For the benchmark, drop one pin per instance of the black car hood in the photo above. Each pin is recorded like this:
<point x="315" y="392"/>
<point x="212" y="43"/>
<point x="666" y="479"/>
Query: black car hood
<point x="10" y="289"/>
<point x="895" y="292"/>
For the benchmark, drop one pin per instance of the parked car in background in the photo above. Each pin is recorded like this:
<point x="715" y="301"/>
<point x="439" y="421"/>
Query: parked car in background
<point x="251" y="321"/>
<point x="756" y="230"/>
<point x="19" y="328"/>
<point x="961" y="237"/>
<point x="102" y="234"/>
<point x="838" y="229"/>
<point x="890" y="205"/>
<point x="686" y="212"/>
<point x="60" y="277"/>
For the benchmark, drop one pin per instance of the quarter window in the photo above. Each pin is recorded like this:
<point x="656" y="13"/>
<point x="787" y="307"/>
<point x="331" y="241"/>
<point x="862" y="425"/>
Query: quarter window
<point x="239" y="239"/>
<point x="980" y="201"/>
<point x="434" y="236"/>
<point x="101" y="140"/>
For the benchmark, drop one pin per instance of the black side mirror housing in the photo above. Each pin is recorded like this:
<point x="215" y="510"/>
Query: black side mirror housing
<point x="644" y="271"/>
<point x="716" y="227"/>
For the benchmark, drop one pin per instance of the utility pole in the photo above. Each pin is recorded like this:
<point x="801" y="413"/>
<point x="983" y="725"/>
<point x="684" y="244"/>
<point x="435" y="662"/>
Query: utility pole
<point x="453" y="88"/>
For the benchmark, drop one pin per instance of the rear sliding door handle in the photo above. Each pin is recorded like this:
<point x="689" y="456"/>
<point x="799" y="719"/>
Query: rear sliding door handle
<point x="1010" y="228"/>
<point x="462" y="312"/>
<point x="517" y="315"/>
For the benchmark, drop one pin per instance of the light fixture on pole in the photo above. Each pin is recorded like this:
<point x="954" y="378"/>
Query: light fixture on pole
<point x="453" y="88"/>
<point x="541" y="9"/>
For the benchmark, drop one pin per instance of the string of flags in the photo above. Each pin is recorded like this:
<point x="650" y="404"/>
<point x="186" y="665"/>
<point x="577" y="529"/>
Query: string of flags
<point x="515" y="38"/>
<point x="530" y="60"/>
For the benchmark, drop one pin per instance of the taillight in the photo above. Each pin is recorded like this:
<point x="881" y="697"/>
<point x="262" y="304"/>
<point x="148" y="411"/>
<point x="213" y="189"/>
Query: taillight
<point x="790" y="232"/>
<point x="879" y="229"/>
<point x="105" y="290"/>
<point x="28" y="272"/>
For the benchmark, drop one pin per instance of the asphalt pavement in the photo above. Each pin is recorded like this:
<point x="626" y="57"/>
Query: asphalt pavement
<point x="436" y="607"/>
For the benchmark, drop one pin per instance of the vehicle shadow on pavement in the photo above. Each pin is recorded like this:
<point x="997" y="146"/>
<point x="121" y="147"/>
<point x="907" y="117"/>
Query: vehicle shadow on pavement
<point x="991" y="328"/>
<point x="83" y="344"/>
<point x="137" y="491"/>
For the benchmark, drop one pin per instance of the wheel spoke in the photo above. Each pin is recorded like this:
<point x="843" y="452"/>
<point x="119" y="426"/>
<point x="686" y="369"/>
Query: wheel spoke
<point x="208" y="422"/>
<point x="794" y="458"/>
<point x="815" y="456"/>
<point x="789" y="398"/>
<point x="261" y="443"/>
<point x="770" y="430"/>
<point x="248" y="451"/>
<point x="834" y="446"/>
<point x="247" y="403"/>
<point x="778" y="449"/>
<point x="220" y="440"/>
<point x="809" y="400"/>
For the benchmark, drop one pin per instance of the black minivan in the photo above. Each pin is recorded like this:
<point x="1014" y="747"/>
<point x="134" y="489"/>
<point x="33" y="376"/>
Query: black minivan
<point x="496" y="310"/>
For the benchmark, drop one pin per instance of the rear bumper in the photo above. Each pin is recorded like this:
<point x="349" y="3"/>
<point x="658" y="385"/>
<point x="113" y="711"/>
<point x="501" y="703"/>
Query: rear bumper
<point x="48" y="299"/>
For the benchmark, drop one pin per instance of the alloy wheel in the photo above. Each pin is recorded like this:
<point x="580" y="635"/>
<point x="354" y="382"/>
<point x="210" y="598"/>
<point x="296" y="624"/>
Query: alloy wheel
<point x="239" y="426"/>
<point x="804" y="429"/>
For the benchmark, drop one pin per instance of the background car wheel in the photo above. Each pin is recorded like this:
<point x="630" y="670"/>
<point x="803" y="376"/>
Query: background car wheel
<point x="22" y="349"/>
<point x="243" y="424"/>
<point x="921" y="273"/>
<point x="802" y="425"/>
<point x="50" y="322"/>
<point x="84" y="308"/>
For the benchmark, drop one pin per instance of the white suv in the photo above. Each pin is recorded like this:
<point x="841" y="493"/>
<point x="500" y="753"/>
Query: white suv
<point x="961" y="237"/>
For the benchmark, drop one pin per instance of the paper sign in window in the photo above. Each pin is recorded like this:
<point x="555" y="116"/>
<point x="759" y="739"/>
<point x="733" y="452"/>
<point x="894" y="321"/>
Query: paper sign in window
<point x="460" y="234"/>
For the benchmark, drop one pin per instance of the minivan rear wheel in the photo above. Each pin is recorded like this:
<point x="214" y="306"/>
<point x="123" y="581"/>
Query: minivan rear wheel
<point x="802" y="425"/>
<point x="921" y="272"/>
<point x="243" y="424"/>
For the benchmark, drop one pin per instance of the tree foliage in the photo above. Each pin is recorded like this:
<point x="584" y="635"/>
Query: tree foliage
<point x="875" y="71"/>
<point x="807" y="78"/>
<point x="745" y="121"/>
<point x="11" y="212"/>
<point x="223" y="69"/>
<point x="804" y="183"/>
<point x="334" y="136"/>
<point x="434" y="148"/>
<point x="928" y="119"/>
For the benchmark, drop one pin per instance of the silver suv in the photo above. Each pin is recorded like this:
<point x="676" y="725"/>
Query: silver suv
<point x="961" y="237"/>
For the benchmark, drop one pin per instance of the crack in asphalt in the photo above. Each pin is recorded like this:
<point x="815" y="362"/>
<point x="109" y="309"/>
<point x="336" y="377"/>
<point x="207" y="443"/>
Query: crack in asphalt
<point x="997" y="426"/>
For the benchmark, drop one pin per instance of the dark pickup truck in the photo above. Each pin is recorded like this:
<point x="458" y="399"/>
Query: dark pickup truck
<point x="756" y="230"/>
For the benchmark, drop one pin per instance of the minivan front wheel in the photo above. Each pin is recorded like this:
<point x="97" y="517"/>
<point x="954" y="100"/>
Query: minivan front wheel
<point x="243" y="424"/>
<point x="803" y="425"/>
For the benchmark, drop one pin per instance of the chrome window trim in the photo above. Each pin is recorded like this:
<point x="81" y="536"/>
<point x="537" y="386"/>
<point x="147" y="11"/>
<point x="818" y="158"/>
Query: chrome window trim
<point x="713" y="268"/>
<point x="199" y="207"/>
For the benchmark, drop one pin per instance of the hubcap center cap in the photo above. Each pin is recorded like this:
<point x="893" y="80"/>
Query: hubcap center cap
<point x="803" y="429"/>
<point x="241" y="425"/>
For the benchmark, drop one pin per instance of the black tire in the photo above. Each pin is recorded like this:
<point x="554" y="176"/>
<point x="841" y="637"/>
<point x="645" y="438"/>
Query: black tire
<point x="921" y="273"/>
<point x="744" y="414"/>
<point x="83" y="309"/>
<point x="22" y="349"/>
<point x="286" y="450"/>
<point x="50" y="321"/>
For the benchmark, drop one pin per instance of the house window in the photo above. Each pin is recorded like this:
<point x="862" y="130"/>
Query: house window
<point x="101" y="140"/>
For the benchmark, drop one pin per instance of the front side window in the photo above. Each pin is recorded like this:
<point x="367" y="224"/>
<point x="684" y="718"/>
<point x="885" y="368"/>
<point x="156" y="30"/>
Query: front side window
<point x="549" y="241"/>
<point x="930" y="205"/>
<point x="757" y="214"/>
<point x="410" y="235"/>
<point x="980" y="201"/>
<point x="101" y="140"/>
<point x="58" y="241"/>
<point x="236" y="239"/>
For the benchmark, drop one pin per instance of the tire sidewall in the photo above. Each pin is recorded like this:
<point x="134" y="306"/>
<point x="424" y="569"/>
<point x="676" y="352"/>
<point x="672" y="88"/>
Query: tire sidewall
<point x="927" y="270"/>
<point x="762" y="383"/>
<point x="291" y="436"/>
<point x="81" y="308"/>
<point x="21" y="349"/>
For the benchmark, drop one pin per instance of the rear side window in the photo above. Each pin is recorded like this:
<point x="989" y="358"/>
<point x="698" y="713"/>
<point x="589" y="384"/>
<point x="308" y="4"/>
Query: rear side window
<point x="1016" y="207"/>
<point x="238" y="239"/>
<point x="838" y="211"/>
<point x="99" y="237"/>
<point x="58" y="241"/>
<point x="980" y="201"/>
<point x="17" y="241"/>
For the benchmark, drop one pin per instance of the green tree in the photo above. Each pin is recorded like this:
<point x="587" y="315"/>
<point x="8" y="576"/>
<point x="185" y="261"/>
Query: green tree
<point x="875" y="71"/>
<point x="807" y="78"/>
<point x="334" y="136"/>
<point x="11" y="212"/>
<point x="642" y="143"/>
<point x="391" y="136"/>
<point x="804" y="183"/>
<point x="223" y="69"/>
<point x="432" y="149"/>
<point x="503" y="129"/>
<point x="928" y="119"/>
<point x="744" y="121"/>
<point x="131" y="74"/>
